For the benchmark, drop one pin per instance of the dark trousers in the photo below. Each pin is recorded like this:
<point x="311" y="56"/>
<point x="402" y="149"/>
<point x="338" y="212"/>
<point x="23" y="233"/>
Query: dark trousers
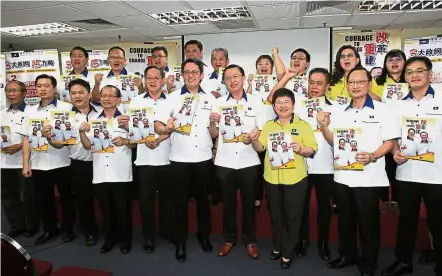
<point x="409" y="196"/>
<point x="286" y="203"/>
<point x="230" y="181"/>
<point x="324" y="191"/>
<point x="115" y="203"/>
<point x="191" y="177"/>
<point x="359" y="207"/>
<point x="44" y="183"/>
<point x="261" y="181"/>
<point x="19" y="200"/>
<point x="81" y="177"/>
<point x="390" y="168"/>
<point x="151" y="180"/>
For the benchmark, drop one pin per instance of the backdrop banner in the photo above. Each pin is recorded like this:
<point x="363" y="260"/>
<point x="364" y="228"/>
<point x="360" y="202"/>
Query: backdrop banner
<point x="3" y="100"/>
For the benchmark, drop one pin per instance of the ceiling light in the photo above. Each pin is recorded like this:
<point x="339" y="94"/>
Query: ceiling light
<point x="42" y="29"/>
<point x="397" y="5"/>
<point x="199" y="16"/>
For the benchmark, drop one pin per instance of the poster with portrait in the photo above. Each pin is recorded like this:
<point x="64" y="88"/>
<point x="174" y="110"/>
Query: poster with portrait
<point x="37" y="141"/>
<point x="184" y="116"/>
<point x="100" y="135"/>
<point x="231" y="125"/>
<point x="127" y="87"/>
<point x="298" y="85"/>
<point x="394" y="92"/>
<point x="63" y="130"/>
<point x="6" y="138"/>
<point x="417" y="139"/>
<point x="64" y="87"/>
<point x="141" y="125"/>
<point x="281" y="155"/>
<point x="311" y="108"/>
<point x="262" y="85"/>
<point x="345" y="146"/>
<point x="97" y="62"/>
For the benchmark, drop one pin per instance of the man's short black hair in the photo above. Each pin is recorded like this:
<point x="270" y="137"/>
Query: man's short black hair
<point x="302" y="50"/>
<point x="321" y="71"/>
<point x="148" y="68"/>
<point x="161" y="48"/>
<point x="85" y="53"/>
<point x="117" y="48"/>
<point x="359" y="68"/>
<point x="116" y="89"/>
<point x="233" y="66"/>
<point x="45" y="76"/>
<point x="283" y="92"/>
<point x="81" y="82"/>
<point x="194" y="61"/>
<point x="425" y="60"/>
<point x="194" y="42"/>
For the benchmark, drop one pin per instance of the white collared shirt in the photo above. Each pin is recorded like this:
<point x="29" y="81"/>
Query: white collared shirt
<point x="378" y="124"/>
<point x="16" y="120"/>
<point x="113" y="167"/>
<point x="238" y="155"/>
<point x="77" y="151"/>
<point x="64" y="92"/>
<point x="53" y="158"/>
<point x="196" y="147"/>
<point x="146" y="156"/>
<point x="127" y="95"/>
<point x="420" y="171"/>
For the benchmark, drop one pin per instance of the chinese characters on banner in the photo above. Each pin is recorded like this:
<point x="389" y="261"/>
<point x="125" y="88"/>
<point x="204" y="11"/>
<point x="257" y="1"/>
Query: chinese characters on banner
<point x="26" y="66"/>
<point x="430" y="47"/>
<point x="97" y="62"/>
<point x="3" y="100"/>
<point x="138" y="58"/>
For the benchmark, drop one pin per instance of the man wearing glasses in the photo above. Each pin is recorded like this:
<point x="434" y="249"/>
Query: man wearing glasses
<point x="191" y="155"/>
<point x="418" y="179"/>
<point x="160" y="59"/>
<point x="358" y="192"/>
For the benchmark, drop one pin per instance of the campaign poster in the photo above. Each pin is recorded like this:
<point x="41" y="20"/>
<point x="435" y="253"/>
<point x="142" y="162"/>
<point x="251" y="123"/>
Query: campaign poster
<point x="394" y="92"/>
<point x="3" y="99"/>
<point x="417" y="138"/>
<point x="311" y="108"/>
<point x="262" y="85"/>
<point x="6" y="138"/>
<point x="138" y="58"/>
<point x="298" y="85"/>
<point x="100" y="135"/>
<point x="97" y="62"/>
<point x="63" y="130"/>
<point x="184" y="117"/>
<point x="281" y="155"/>
<point x="141" y="125"/>
<point x="345" y="147"/>
<point x="231" y="125"/>
<point x="127" y="87"/>
<point x="37" y="141"/>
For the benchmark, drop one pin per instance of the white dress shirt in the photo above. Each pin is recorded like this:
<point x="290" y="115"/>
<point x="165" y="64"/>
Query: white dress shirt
<point x="126" y="95"/>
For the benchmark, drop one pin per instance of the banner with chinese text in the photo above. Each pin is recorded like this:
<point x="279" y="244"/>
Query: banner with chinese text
<point x="97" y="62"/>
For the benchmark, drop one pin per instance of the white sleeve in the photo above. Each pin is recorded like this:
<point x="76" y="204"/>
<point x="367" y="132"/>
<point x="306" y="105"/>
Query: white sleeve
<point x="390" y="129"/>
<point x="164" y="110"/>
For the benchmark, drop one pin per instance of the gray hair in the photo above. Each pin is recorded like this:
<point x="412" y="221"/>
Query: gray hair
<point x="224" y="50"/>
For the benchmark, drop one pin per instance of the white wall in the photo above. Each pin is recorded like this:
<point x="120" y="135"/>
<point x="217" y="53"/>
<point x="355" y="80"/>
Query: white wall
<point x="245" y="47"/>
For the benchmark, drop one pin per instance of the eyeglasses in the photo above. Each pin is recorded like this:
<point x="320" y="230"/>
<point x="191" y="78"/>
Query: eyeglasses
<point x="105" y="96"/>
<point x="193" y="73"/>
<point x="283" y="103"/>
<point x="394" y="60"/>
<point x="298" y="58"/>
<point x="344" y="56"/>
<point x="159" y="56"/>
<point x="419" y="71"/>
<point x="116" y="58"/>
<point x="358" y="82"/>
<point x="232" y="78"/>
<point x="13" y="91"/>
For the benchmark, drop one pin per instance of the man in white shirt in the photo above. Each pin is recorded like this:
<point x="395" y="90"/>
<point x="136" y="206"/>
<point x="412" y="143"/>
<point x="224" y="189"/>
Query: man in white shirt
<point x="237" y="164"/>
<point x="358" y="192"/>
<point x="153" y="164"/>
<point x="190" y="155"/>
<point x="214" y="83"/>
<point x="136" y="131"/>
<point x="21" y="212"/>
<point x="57" y="132"/>
<point x="227" y="131"/>
<point x="417" y="179"/>
<point x="160" y="60"/>
<point x="51" y="167"/>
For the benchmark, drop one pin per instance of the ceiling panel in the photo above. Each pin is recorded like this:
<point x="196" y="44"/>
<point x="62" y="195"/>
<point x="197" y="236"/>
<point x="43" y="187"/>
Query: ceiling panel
<point x="275" y="11"/>
<point x="331" y="21"/>
<point x="156" y="31"/>
<point x="202" y="5"/>
<point x="413" y="25"/>
<point x="19" y="5"/>
<point x="149" y="7"/>
<point x="368" y="19"/>
<point x="196" y="28"/>
<point x="134" y="21"/>
<point x="410" y="17"/>
<point x="106" y="9"/>
<point x="59" y="13"/>
<point x="263" y="3"/>
<point x="269" y="24"/>
<point x="20" y="18"/>
<point x="370" y="27"/>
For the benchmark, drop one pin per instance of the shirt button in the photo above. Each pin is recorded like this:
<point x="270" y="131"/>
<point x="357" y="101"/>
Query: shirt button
<point x="236" y="152"/>
<point x="196" y="135"/>
<point x="417" y="115"/>
<point x="357" y="111"/>
<point x="418" y="105"/>
<point x="355" y="121"/>
<point x="196" y="125"/>
<point x="107" y="165"/>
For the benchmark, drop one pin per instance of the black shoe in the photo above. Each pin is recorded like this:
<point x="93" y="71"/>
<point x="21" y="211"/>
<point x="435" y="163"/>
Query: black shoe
<point x="47" y="236"/>
<point x="205" y="243"/>
<point x="301" y="248"/>
<point x="275" y="256"/>
<point x="324" y="251"/>
<point x="125" y="248"/>
<point x="67" y="236"/>
<point x="285" y="265"/>
<point x="149" y="246"/>
<point x="30" y="233"/>
<point x="16" y="232"/>
<point x="339" y="263"/>
<point x="90" y="240"/>
<point x="107" y="247"/>
<point x="397" y="268"/>
<point x="428" y="257"/>
<point x="180" y="253"/>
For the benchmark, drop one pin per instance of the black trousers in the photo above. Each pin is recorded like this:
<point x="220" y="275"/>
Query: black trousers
<point x="286" y="203"/>
<point x="261" y="181"/>
<point x="115" y="203"/>
<point x="19" y="200"/>
<point x="324" y="184"/>
<point x="44" y="183"/>
<point x="151" y="180"/>
<point x="230" y="181"/>
<point x="81" y="177"/>
<point x="359" y="207"/>
<point x="409" y="196"/>
<point x="390" y="168"/>
<point x="191" y="177"/>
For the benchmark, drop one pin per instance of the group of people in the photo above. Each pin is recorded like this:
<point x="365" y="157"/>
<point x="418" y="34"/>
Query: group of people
<point x="179" y="164"/>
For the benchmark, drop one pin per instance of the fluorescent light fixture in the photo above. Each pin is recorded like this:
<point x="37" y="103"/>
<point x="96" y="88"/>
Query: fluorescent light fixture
<point x="397" y="5"/>
<point x="42" y="29"/>
<point x="200" y="16"/>
<point x="342" y="28"/>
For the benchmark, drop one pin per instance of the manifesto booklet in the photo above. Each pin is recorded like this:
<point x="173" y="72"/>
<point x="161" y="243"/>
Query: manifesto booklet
<point x="281" y="155"/>
<point x="311" y="107"/>
<point x="345" y="147"/>
<point x="262" y="85"/>
<point x="37" y="141"/>
<point x="298" y="85"/>
<point x="231" y="125"/>
<point x="417" y="139"/>
<point x="6" y="138"/>
<point x="141" y="125"/>
<point x="128" y="88"/>
<point x="63" y="130"/>
<point x="394" y="92"/>
<point x="184" y="117"/>
<point x="100" y="136"/>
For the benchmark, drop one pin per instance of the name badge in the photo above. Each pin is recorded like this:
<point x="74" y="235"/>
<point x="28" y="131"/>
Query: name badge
<point x="294" y="132"/>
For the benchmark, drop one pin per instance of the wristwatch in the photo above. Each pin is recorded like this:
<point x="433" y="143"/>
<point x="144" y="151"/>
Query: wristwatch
<point x="374" y="157"/>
